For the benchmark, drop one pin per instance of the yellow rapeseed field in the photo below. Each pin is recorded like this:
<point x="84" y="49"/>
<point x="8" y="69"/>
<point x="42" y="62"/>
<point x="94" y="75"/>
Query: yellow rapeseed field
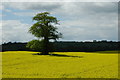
<point x="24" y="64"/>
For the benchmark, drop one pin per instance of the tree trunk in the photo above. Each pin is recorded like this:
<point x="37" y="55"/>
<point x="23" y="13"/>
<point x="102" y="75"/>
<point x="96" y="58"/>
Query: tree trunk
<point x="46" y="46"/>
<point x="46" y="41"/>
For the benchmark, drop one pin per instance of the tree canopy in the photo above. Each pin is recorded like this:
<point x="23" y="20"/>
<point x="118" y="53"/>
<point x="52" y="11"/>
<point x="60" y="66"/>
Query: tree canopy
<point x="44" y="29"/>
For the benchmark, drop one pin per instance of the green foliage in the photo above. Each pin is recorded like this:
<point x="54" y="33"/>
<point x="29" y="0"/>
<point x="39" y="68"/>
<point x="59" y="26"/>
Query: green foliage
<point x="45" y="28"/>
<point x="35" y="44"/>
<point x="49" y="31"/>
<point x="45" y="18"/>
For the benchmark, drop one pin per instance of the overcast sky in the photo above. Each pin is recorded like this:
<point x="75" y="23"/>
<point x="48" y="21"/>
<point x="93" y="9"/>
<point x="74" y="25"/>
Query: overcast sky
<point x="79" y="21"/>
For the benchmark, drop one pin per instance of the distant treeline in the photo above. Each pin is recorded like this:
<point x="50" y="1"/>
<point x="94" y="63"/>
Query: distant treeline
<point x="67" y="46"/>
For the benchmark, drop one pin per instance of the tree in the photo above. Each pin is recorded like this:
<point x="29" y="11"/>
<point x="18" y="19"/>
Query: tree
<point x="44" y="29"/>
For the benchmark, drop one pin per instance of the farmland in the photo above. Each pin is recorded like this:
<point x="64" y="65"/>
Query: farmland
<point x="25" y="64"/>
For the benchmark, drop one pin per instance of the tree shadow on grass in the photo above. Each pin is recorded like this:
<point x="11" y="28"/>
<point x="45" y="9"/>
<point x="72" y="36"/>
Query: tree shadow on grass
<point x="60" y="55"/>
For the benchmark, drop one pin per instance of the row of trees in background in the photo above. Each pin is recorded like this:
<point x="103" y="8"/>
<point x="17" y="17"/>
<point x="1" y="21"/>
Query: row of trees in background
<point x="66" y="46"/>
<point x="97" y="41"/>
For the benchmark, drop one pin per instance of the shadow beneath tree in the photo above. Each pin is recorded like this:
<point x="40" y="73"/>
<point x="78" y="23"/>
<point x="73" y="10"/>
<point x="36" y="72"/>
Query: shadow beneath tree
<point x="62" y="55"/>
<point x="59" y="55"/>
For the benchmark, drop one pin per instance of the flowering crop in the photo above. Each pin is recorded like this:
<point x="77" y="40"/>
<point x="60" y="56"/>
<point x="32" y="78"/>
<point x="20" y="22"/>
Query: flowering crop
<point x="24" y="64"/>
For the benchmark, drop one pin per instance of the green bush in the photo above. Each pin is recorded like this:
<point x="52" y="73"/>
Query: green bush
<point x="35" y="45"/>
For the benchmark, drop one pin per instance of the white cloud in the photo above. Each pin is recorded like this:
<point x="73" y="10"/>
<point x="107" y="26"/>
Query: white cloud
<point x="85" y="23"/>
<point x="24" y="13"/>
<point x="13" y="30"/>
<point x="61" y="1"/>
<point x="91" y="33"/>
<point x="0" y="31"/>
<point x="1" y="6"/>
<point x="33" y="5"/>
<point x="79" y="21"/>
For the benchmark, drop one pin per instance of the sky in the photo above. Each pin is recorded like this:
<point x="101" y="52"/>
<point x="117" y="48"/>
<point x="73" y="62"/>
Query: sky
<point x="79" y="21"/>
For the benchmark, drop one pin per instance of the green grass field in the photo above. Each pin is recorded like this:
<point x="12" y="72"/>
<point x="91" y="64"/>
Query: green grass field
<point x="23" y="64"/>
